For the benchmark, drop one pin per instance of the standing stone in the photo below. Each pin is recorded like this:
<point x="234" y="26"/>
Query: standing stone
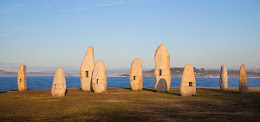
<point x="86" y="70"/>
<point x="243" y="88"/>
<point x="21" y="80"/>
<point x="59" y="84"/>
<point x="99" y="78"/>
<point x="162" y="70"/>
<point x="188" y="81"/>
<point x="223" y="81"/>
<point x="135" y="76"/>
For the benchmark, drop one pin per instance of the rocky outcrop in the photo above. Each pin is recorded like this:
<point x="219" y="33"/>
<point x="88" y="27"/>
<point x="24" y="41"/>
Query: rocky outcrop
<point x="86" y="70"/>
<point x="99" y="78"/>
<point x="135" y="76"/>
<point x="243" y="88"/>
<point x="162" y="69"/>
<point x="59" y="84"/>
<point x="21" y="80"/>
<point x="223" y="81"/>
<point x="188" y="81"/>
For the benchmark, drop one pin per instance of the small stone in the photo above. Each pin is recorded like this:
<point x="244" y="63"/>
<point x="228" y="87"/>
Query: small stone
<point x="188" y="81"/>
<point x="243" y="88"/>
<point x="99" y="78"/>
<point x="86" y="70"/>
<point x="135" y="76"/>
<point x="59" y="84"/>
<point x="223" y="81"/>
<point x="162" y="70"/>
<point x="21" y="80"/>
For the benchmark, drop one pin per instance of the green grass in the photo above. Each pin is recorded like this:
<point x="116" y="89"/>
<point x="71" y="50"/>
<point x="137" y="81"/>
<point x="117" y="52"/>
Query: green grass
<point x="119" y="104"/>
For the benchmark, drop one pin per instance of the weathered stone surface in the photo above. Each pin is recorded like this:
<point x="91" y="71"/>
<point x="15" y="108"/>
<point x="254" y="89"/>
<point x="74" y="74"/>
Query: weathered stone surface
<point x="243" y="88"/>
<point x="21" y="80"/>
<point x="223" y="81"/>
<point x="136" y="76"/>
<point x="86" y="70"/>
<point x="188" y="82"/>
<point x="59" y="84"/>
<point x="162" y="69"/>
<point x="99" y="78"/>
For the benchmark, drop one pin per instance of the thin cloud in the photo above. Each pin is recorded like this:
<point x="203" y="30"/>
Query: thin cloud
<point x="19" y="5"/>
<point x="3" y="35"/>
<point x="5" y="12"/>
<point x="78" y="9"/>
<point x="112" y="4"/>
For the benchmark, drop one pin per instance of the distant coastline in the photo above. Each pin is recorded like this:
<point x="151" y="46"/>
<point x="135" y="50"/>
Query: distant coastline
<point x="176" y="72"/>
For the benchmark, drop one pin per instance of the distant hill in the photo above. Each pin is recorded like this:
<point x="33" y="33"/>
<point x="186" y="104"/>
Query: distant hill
<point x="13" y="74"/>
<point x="177" y="72"/>
<point x="69" y="73"/>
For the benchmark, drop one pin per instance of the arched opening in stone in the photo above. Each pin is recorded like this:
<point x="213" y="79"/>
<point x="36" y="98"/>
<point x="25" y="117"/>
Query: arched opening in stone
<point x="86" y="74"/>
<point x="242" y="84"/>
<point x="20" y="80"/>
<point x="190" y="83"/>
<point x="134" y="77"/>
<point x="160" y="72"/>
<point x="97" y="81"/>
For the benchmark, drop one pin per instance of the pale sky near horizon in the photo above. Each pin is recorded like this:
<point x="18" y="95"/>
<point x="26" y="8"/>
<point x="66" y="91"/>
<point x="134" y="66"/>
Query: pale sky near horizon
<point x="55" y="33"/>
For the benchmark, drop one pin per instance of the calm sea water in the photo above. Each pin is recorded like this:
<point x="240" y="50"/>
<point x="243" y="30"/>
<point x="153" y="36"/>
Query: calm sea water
<point x="45" y="82"/>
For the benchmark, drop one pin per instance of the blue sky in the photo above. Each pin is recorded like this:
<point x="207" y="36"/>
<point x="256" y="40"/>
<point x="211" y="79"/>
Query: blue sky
<point x="55" y="33"/>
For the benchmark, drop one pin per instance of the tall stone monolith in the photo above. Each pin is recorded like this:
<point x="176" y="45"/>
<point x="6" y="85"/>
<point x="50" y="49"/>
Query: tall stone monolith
<point x="136" y="75"/>
<point x="223" y="81"/>
<point x="59" y="84"/>
<point x="86" y="70"/>
<point x="188" y="81"/>
<point x="99" y="78"/>
<point x="243" y="88"/>
<point x="21" y="79"/>
<point x="162" y="70"/>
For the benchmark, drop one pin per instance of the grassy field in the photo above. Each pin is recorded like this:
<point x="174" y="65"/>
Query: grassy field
<point x="119" y="104"/>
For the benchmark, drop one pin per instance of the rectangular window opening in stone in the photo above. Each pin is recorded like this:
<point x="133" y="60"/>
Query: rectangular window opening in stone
<point x="242" y="84"/>
<point x="160" y="72"/>
<point x="86" y="74"/>
<point x="134" y="78"/>
<point x="97" y="81"/>
<point x="190" y="83"/>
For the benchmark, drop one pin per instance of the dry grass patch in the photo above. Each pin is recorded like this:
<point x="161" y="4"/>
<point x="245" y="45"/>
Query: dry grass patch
<point x="119" y="104"/>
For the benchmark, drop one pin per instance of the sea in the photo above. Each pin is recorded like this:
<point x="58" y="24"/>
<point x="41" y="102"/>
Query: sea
<point x="45" y="82"/>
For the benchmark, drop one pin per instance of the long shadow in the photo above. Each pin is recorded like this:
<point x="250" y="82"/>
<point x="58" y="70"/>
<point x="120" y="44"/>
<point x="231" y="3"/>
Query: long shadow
<point x="2" y="92"/>
<point x="128" y="89"/>
<point x="216" y="90"/>
<point x="66" y="91"/>
<point x="153" y="90"/>
<point x="149" y="89"/>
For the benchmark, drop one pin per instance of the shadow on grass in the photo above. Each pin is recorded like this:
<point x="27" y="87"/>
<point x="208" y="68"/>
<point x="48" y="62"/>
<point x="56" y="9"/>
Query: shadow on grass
<point x="128" y="89"/>
<point x="66" y="91"/>
<point x="219" y="91"/>
<point x="2" y="92"/>
<point x="153" y="90"/>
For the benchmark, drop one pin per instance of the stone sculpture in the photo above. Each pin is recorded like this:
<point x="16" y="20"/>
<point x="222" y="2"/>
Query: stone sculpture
<point x="21" y="80"/>
<point x="223" y="81"/>
<point x="86" y="70"/>
<point x="99" y="78"/>
<point x="59" y="84"/>
<point x="162" y="69"/>
<point x="188" y="81"/>
<point x="135" y="76"/>
<point x="243" y="88"/>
